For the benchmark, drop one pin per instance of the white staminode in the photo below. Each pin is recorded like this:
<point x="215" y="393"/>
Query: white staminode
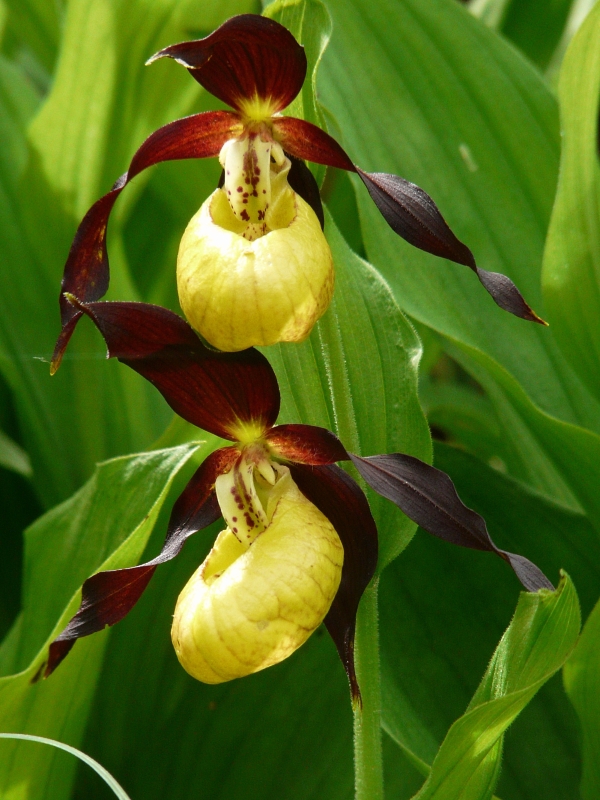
<point x="243" y="495"/>
<point x="251" y="165"/>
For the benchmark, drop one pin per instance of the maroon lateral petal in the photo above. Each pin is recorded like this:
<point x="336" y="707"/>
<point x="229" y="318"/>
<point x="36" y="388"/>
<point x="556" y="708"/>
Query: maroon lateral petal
<point x="303" y="182"/>
<point x="209" y="388"/>
<point x="427" y="495"/>
<point x="411" y="213"/>
<point x="306" y="141"/>
<point x="248" y="55"/>
<point x="306" y="444"/>
<point x="86" y="272"/>
<point x="109" y="596"/>
<point x="344" y="504"/>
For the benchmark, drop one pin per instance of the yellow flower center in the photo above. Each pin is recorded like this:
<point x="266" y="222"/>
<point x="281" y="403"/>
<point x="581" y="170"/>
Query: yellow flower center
<point x="256" y="109"/>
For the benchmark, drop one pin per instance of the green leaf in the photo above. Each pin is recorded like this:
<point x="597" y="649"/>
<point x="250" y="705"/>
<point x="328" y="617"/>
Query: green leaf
<point x="98" y="768"/>
<point x="562" y="458"/>
<point x="582" y="682"/>
<point x="104" y="526"/>
<point x="572" y="257"/>
<point x="202" y="19"/>
<point x="20" y="508"/>
<point x="357" y="376"/>
<point x="464" y="416"/>
<point x="445" y="608"/>
<point x="439" y="99"/>
<point x="19" y="103"/>
<point x="536" y="644"/>
<point x="37" y="25"/>
<point x="102" y="105"/>
<point x="13" y="457"/>
<point x="536" y="28"/>
<point x="491" y="12"/>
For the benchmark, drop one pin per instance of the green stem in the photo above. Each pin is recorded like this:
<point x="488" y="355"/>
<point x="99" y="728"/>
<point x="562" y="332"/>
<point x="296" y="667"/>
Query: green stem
<point x="368" y="763"/>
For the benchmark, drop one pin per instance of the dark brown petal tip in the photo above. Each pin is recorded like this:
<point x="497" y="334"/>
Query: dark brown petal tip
<point x="86" y="274"/>
<point x="344" y="504"/>
<point x="427" y="495"/>
<point x="411" y="213"/>
<point x="108" y="597"/>
<point x="213" y="390"/>
<point x="306" y="141"/>
<point x="247" y="56"/>
<point x="306" y="444"/>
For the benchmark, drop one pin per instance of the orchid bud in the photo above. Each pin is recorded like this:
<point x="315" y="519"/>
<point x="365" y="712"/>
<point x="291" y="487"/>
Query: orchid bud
<point x="254" y="267"/>
<point x="267" y="583"/>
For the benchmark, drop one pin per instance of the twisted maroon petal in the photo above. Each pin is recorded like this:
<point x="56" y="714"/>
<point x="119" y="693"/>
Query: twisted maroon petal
<point x="408" y="210"/>
<point x="247" y="56"/>
<point x="86" y="272"/>
<point x="412" y="214"/>
<point x="109" y="596"/>
<point x="427" y="495"/>
<point x="306" y="444"/>
<point x="213" y="390"/>
<point x="341" y="500"/>
<point x="303" y="182"/>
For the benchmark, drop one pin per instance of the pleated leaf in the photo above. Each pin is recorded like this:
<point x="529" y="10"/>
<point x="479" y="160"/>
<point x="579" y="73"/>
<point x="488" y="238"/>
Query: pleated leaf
<point x="582" y="682"/>
<point x="536" y="644"/>
<point x="105" y="525"/>
<point x="572" y="256"/>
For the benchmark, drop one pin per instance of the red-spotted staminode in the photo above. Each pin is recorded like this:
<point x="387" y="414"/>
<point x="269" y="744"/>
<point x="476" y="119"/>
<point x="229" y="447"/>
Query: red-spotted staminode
<point x="254" y="267"/>
<point x="300" y="543"/>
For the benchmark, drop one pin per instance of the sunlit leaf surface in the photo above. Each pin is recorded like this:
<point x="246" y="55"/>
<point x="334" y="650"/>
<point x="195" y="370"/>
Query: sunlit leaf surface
<point x="572" y="257"/>
<point x="105" y="525"/>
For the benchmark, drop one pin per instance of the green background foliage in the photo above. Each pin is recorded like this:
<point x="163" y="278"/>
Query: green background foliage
<point x="465" y="100"/>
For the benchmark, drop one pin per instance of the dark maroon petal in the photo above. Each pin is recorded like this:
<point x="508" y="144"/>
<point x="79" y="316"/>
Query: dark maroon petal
<point x="413" y="215"/>
<point x="109" y="596"/>
<point x="248" y="55"/>
<point x="427" y="496"/>
<point x="407" y="209"/>
<point x="213" y="390"/>
<point x="306" y="444"/>
<point x="86" y="272"/>
<point x="308" y="142"/>
<point x="342" y="501"/>
<point x="303" y="182"/>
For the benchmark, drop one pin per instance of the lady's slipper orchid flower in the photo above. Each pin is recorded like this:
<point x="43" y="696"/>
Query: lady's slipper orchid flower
<point x="254" y="267"/>
<point x="300" y="543"/>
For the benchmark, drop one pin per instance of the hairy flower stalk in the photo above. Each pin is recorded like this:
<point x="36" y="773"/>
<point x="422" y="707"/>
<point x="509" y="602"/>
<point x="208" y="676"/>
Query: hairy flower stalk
<point x="268" y="581"/>
<point x="254" y="267"/>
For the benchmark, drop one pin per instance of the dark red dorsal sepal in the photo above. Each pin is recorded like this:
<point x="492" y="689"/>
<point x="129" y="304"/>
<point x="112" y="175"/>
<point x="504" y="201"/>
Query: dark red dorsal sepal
<point x="248" y="56"/>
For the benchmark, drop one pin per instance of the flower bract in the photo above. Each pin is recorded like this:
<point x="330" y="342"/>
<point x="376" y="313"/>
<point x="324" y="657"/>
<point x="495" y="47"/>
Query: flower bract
<point x="254" y="266"/>
<point x="300" y="542"/>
